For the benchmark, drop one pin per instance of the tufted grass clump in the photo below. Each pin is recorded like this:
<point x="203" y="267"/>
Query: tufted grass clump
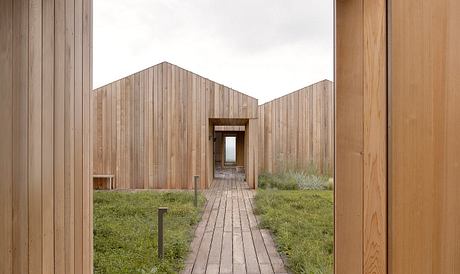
<point x="295" y="179"/>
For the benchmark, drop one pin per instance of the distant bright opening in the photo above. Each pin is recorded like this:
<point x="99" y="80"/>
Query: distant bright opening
<point x="230" y="149"/>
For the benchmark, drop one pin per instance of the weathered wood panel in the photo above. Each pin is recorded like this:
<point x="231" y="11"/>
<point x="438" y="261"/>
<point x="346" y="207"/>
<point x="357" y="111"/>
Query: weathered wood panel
<point x="155" y="131"/>
<point x="361" y="149"/>
<point x="45" y="73"/>
<point x="424" y="226"/>
<point x="296" y="130"/>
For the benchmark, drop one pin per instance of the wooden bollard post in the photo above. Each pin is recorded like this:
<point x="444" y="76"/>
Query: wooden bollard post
<point x="161" y="212"/>
<point x="195" y="178"/>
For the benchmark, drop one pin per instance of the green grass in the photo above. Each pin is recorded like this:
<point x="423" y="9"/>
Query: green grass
<point x="302" y="224"/>
<point x="125" y="231"/>
<point x="294" y="179"/>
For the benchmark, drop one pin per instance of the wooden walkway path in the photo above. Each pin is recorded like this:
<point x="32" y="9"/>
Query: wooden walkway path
<point x="228" y="240"/>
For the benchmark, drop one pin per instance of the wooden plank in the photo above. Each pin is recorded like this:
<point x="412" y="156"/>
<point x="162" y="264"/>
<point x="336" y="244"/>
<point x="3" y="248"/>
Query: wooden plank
<point x="113" y="132"/>
<point x="349" y="138"/>
<point x="20" y="136"/>
<point x="140" y="139"/>
<point x="165" y="148"/>
<point x="6" y="137"/>
<point x="48" y="137"/>
<point x="423" y="226"/>
<point x="156" y="120"/>
<point x="69" y="208"/>
<point x="35" y="135"/>
<point x="449" y="260"/>
<point x="238" y="250"/>
<point x="189" y="131"/>
<point x="59" y="137"/>
<point x="122" y="168"/>
<point x="78" y="135"/>
<point x="150" y="127"/>
<point x="226" y="257"/>
<point x="375" y="132"/>
<point x="87" y="197"/>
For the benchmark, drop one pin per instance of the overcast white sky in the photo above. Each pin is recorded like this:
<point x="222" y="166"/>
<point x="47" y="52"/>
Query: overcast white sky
<point x="264" y="48"/>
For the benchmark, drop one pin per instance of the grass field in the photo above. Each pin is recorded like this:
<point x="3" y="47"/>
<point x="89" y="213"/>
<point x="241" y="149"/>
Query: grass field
<point x="302" y="224"/>
<point x="125" y="231"/>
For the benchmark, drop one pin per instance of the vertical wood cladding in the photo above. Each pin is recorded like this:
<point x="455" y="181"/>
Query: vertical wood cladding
<point x="45" y="193"/>
<point x="296" y="130"/>
<point x="424" y="224"/>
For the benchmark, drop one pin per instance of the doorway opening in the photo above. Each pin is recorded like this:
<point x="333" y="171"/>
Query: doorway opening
<point x="229" y="147"/>
<point x="232" y="143"/>
<point x="230" y="150"/>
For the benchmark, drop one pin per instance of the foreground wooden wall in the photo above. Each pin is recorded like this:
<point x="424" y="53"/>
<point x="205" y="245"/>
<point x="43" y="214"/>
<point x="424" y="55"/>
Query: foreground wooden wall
<point x="296" y="130"/>
<point x="45" y="194"/>
<point x="152" y="129"/>
<point x="361" y="155"/>
<point x="397" y="200"/>
<point x="424" y="204"/>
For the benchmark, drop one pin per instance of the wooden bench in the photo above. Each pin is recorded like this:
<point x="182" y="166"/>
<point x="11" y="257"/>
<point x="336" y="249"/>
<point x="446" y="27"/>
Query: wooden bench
<point x="105" y="176"/>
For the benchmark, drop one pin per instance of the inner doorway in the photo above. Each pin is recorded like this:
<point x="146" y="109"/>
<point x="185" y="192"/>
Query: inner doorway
<point x="230" y="150"/>
<point x="244" y="133"/>
<point x="229" y="147"/>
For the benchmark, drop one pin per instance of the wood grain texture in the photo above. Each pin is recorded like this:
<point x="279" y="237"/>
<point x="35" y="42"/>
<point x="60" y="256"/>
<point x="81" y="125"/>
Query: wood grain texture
<point x="6" y="136"/>
<point x="291" y="139"/>
<point x="155" y="131"/>
<point x="45" y="68"/>
<point x="375" y="138"/>
<point x="361" y="146"/>
<point x="424" y="222"/>
<point x="348" y="202"/>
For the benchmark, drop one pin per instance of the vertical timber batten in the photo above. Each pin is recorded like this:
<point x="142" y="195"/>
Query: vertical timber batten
<point x="361" y="145"/>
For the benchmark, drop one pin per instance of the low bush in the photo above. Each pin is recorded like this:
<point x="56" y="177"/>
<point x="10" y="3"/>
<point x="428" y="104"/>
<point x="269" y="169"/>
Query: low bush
<point x="309" y="179"/>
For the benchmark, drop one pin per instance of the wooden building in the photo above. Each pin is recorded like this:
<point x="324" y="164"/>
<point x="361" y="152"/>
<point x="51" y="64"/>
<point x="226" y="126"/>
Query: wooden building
<point x="159" y="127"/>
<point x="296" y="130"/>
<point x="155" y="128"/>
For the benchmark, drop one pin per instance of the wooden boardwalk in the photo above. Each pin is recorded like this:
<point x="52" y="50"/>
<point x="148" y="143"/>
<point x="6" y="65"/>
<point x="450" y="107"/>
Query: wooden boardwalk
<point x="228" y="240"/>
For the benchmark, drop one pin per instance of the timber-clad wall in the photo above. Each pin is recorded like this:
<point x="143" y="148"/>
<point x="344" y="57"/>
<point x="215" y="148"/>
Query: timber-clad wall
<point x="152" y="129"/>
<point x="45" y="162"/>
<point x="424" y="177"/>
<point x="296" y="130"/>
<point x="397" y="137"/>
<point x="361" y="138"/>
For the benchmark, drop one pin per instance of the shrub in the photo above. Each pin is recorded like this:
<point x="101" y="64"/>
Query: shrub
<point x="296" y="179"/>
<point x="281" y="181"/>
